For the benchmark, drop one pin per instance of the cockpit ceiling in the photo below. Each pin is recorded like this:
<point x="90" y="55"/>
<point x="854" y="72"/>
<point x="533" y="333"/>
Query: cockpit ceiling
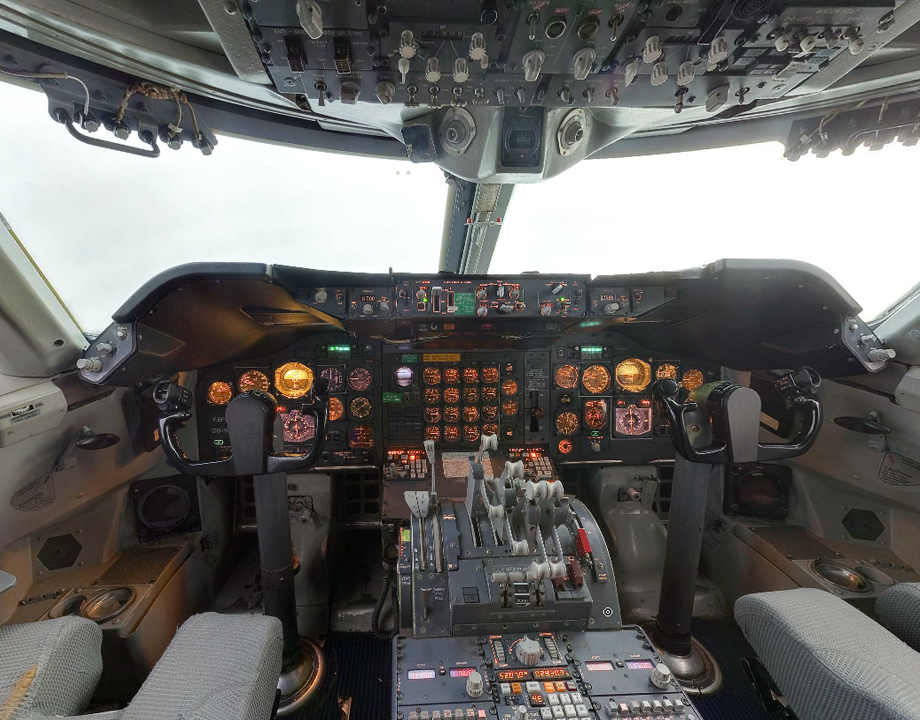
<point x="501" y="91"/>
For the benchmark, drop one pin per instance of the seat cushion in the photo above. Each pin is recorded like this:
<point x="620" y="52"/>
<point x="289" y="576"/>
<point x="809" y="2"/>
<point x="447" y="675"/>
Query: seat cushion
<point x="898" y="608"/>
<point x="830" y="660"/>
<point x="49" y="667"/>
<point x="217" y="667"/>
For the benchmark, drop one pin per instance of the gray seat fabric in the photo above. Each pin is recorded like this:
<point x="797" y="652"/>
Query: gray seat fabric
<point x="217" y="667"/>
<point x="49" y="667"/>
<point x="898" y="608"/>
<point x="829" y="659"/>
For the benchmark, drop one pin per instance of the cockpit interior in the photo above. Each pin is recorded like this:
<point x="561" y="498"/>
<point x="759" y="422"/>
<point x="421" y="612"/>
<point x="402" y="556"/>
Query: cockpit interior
<point x="266" y="490"/>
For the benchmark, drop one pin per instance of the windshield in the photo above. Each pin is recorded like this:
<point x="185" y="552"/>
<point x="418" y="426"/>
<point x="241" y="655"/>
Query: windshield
<point x="99" y="224"/>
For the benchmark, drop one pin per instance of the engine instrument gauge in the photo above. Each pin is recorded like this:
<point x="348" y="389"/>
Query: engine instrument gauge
<point x="633" y="420"/>
<point x="404" y="376"/>
<point x="596" y="414"/>
<point x="293" y="380"/>
<point x="219" y="393"/>
<point x="692" y="379"/>
<point x="490" y="394"/>
<point x="471" y="433"/>
<point x="433" y="432"/>
<point x="509" y="387"/>
<point x="254" y="380"/>
<point x="451" y="433"/>
<point x="470" y="394"/>
<point x="452" y="395"/>
<point x="567" y="423"/>
<point x="297" y="427"/>
<point x="432" y="414"/>
<point x="666" y="371"/>
<point x="490" y="429"/>
<point x="336" y="409"/>
<point x="489" y="412"/>
<point x="470" y="375"/>
<point x="565" y="447"/>
<point x="452" y="375"/>
<point x="452" y="414"/>
<point x="566" y="377"/>
<point x="565" y="399"/>
<point x="490" y="375"/>
<point x="432" y="375"/>
<point x="360" y="407"/>
<point x="359" y="379"/>
<point x="432" y="396"/>
<point x="508" y="368"/>
<point x="361" y="437"/>
<point x="509" y="407"/>
<point x="633" y="375"/>
<point x="334" y="377"/>
<point x="596" y="379"/>
<point x="470" y="413"/>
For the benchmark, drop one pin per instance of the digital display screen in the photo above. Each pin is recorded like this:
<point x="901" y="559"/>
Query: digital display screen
<point x="461" y="672"/>
<point x="547" y="673"/>
<point x="596" y="665"/>
<point x="509" y="675"/>
<point x="427" y="674"/>
<point x="640" y="664"/>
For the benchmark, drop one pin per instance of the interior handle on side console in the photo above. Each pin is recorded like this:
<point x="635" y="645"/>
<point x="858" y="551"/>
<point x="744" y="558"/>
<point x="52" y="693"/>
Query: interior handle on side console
<point x="250" y="421"/>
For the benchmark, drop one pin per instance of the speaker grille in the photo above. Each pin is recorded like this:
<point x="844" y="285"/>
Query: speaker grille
<point x="59" y="552"/>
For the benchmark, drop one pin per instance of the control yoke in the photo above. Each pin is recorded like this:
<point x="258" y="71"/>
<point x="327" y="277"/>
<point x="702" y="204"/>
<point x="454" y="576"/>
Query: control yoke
<point x="250" y="424"/>
<point x="735" y="414"/>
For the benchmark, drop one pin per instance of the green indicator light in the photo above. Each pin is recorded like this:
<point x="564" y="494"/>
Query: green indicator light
<point x="339" y="348"/>
<point x="587" y="349"/>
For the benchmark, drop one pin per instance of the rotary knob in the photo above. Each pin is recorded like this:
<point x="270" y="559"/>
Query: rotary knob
<point x="546" y="310"/>
<point x="474" y="684"/>
<point x="661" y="676"/>
<point x="320" y="296"/>
<point x="104" y="348"/>
<point x="611" y="308"/>
<point x="89" y="364"/>
<point x="384" y="306"/>
<point x="368" y="309"/>
<point x="527" y="651"/>
<point x="482" y="311"/>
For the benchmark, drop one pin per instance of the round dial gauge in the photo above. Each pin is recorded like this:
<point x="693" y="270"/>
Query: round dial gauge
<point x="470" y="394"/>
<point x="404" y="376"/>
<point x="433" y="432"/>
<point x="452" y="395"/>
<point x="489" y="412"/>
<point x="451" y="413"/>
<point x="509" y="387"/>
<point x="633" y="374"/>
<point x="470" y="413"/>
<point x="432" y="396"/>
<point x="509" y="432"/>
<point x="334" y="377"/>
<point x="596" y="379"/>
<point x="470" y="375"/>
<point x="451" y="433"/>
<point x="432" y="375"/>
<point x="490" y="429"/>
<point x="432" y="414"/>
<point x="253" y="380"/>
<point x="508" y="368"/>
<point x="666" y="371"/>
<point x="293" y="380"/>
<point x="361" y="437"/>
<point x="567" y="423"/>
<point x="298" y="428"/>
<point x="359" y="379"/>
<point x="596" y="414"/>
<point x="509" y="407"/>
<point x="360" y="407"/>
<point x="634" y="420"/>
<point x="471" y="433"/>
<point x="565" y="447"/>
<point x="566" y="377"/>
<point x="565" y="399"/>
<point x="219" y="393"/>
<point x="692" y="379"/>
<point x="452" y="375"/>
<point x="336" y="409"/>
<point x="490" y="375"/>
<point x="490" y="394"/>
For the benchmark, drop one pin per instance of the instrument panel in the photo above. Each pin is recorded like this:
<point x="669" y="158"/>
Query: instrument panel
<point x="584" y="400"/>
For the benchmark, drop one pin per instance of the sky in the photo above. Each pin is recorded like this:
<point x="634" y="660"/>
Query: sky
<point x="99" y="223"/>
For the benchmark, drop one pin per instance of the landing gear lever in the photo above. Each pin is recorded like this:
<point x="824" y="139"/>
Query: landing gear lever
<point x="716" y="424"/>
<point x="250" y="425"/>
